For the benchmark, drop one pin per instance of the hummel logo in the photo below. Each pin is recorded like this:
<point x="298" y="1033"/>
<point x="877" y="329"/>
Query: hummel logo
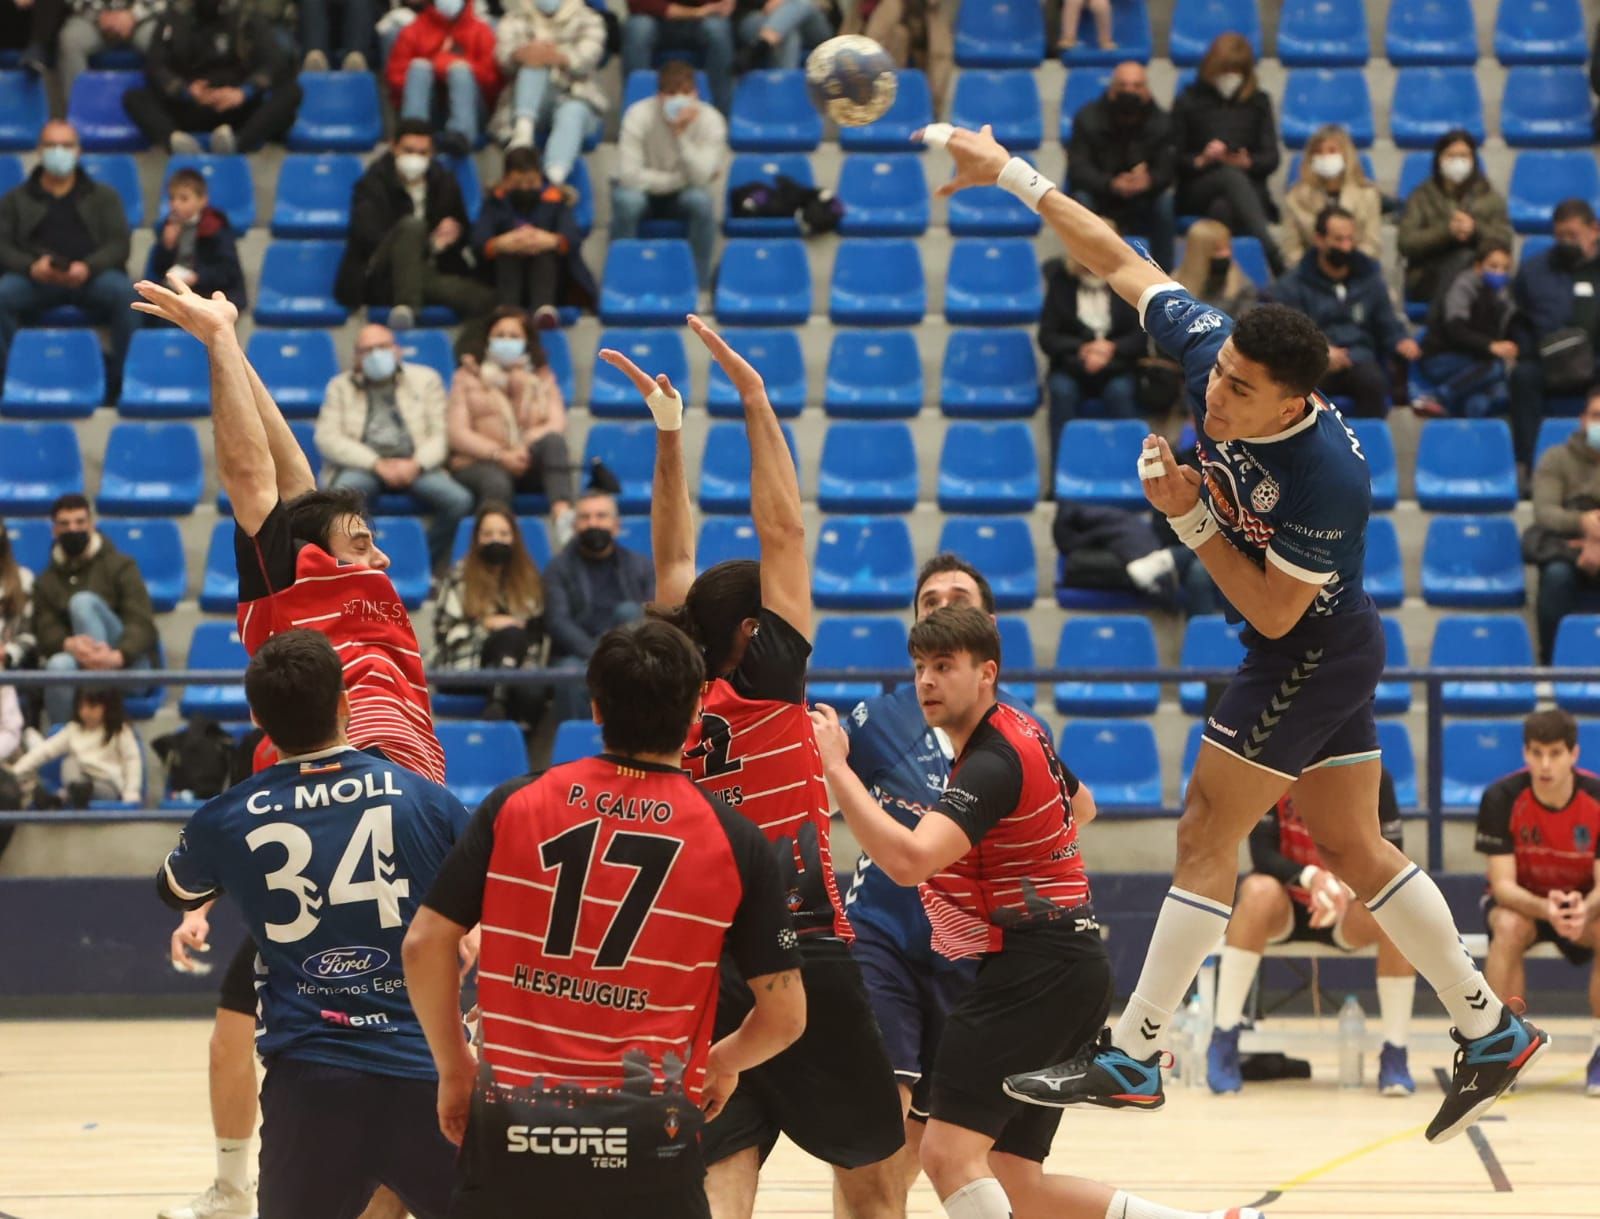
<point x="1472" y="1086"/>
<point x="1149" y="1029"/>
<point x="1477" y="1001"/>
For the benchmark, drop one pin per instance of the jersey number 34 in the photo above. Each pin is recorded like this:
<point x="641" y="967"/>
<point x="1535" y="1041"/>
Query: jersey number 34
<point x="372" y="839"/>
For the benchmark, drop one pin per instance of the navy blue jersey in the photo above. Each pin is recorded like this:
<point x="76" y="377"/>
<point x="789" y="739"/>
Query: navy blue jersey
<point x="1298" y="500"/>
<point x="328" y="856"/>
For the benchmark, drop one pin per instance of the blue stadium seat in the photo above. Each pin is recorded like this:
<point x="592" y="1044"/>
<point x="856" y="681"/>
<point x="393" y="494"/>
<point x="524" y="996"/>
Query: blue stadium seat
<point x="30" y="538"/>
<point x="1016" y="652"/>
<point x="296" y="366"/>
<point x="466" y="172"/>
<point x="1083" y="86"/>
<point x="1196" y="24"/>
<point x="772" y="112"/>
<point x="1472" y="562"/>
<point x="988" y="467"/>
<point x="535" y="536"/>
<point x="479" y="756"/>
<point x="297" y="284"/>
<point x="765" y="167"/>
<point x="1001" y="547"/>
<point x="54" y="374"/>
<point x="558" y="353"/>
<point x="877" y="281"/>
<point x="1476" y="753"/>
<point x="723" y="538"/>
<point x="402" y="539"/>
<point x="1578" y="646"/>
<point x="166" y="376"/>
<point x="611" y="395"/>
<point x="1121" y="641"/>
<point x="1430" y="32"/>
<point x="1540" y="32"/>
<point x="338" y="113"/>
<point x="1322" y="34"/>
<point x="430" y="349"/>
<point x="583" y="210"/>
<point x="873" y="374"/>
<point x="574" y="741"/>
<point x="988" y="211"/>
<point x="863" y="562"/>
<point x="1252" y="259"/>
<point x="1118" y="759"/>
<point x="143" y="704"/>
<point x="95" y="110"/>
<point x="23" y="109"/>
<point x="219" y="586"/>
<point x="1006" y="100"/>
<point x="1384" y="577"/>
<point x="38" y="462"/>
<point x="725" y="468"/>
<point x="993" y="282"/>
<point x="313" y="196"/>
<point x="855" y="642"/>
<point x="1541" y="179"/>
<point x="119" y="171"/>
<point x="1546" y="107"/>
<point x="1551" y="433"/>
<point x="1097" y="460"/>
<point x="763" y="282"/>
<point x="648" y="283"/>
<point x="867" y="467"/>
<point x="1430" y="101"/>
<point x="629" y="449"/>
<point x="1415" y="169"/>
<point x="1315" y="96"/>
<point x="151" y="469"/>
<point x="883" y="195"/>
<point x="1399" y="760"/>
<point x="643" y="82"/>
<point x="1394" y="697"/>
<point x="1130" y="31"/>
<point x="157" y="548"/>
<point x="215" y="645"/>
<point x="1483" y="641"/>
<point x="1003" y="34"/>
<point x="912" y="109"/>
<point x="776" y="355"/>
<point x="1377" y="443"/>
<point x="1191" y="755"/>
<point x="1466" y="465"/>
<point x="1210" y="641"/>
<point x="988" y="373"/>
<point x="229" y="186"/>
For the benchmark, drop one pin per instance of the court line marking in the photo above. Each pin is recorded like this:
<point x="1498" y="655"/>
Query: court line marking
<point x="1480" y="1142"/>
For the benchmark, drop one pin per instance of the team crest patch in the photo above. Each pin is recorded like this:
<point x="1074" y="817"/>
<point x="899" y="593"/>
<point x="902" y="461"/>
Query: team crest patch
<point x="1264" y="497"/>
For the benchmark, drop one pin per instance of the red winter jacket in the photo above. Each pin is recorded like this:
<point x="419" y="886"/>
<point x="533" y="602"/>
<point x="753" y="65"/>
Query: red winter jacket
<point x="441" y="42"/>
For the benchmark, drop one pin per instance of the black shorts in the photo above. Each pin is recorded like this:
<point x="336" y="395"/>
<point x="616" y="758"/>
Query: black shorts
<point x="1545" y="933"/>
<point x="1038" y="1000"/>
<point x="330" y="1136"/>
<point x="1301" y="931"/>
<point x="911" y="1000"/>
<point x="238" y="992"/>
<point x="832" y="1092"/>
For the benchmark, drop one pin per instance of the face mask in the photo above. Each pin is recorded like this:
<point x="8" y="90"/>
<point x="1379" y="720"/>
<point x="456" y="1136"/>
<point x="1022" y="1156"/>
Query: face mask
<point x="1220" y="267"/>
<point x="378" y="364"/>
<point x="1228" y="83"/>
<point x="1128" y="106"/>
<point x="674" y="106"/>
<point x="549" y="7"/>
<point x="1591" y="433"/>
<point x="594" y="539"/>
<point x="1456" y="170"/>
<point x="524" y="200"/>
<point x="412" y="165"/>
<point x="1337" y="259"/>
<point x="1566" y="254"/>
<point x="495" y="554"/>
<point x="1495" y="280"/>
<point x="74" y="543"/>
<point x="507" y="351"/>
<point x="1328" y="164"/>
<point x="449" y="9"/>
<point x="59" y="160"/>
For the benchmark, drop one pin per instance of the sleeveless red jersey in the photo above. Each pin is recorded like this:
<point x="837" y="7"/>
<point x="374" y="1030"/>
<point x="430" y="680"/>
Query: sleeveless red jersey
<point x="1554" y="847"/>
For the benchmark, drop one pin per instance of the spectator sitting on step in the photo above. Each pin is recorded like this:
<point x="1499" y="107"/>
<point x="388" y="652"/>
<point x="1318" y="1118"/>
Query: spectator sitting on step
<point x="550" y="51"/>
<point x="1448" y="215"/>
<point x="81" y="29"/>
<point x="195" y="241"/>
<point x="1210" y="273"/>
<point x="1467" y="350"/>
<point x="528" y="233"/>
<point x="1122" y="161"/>
<point x="1331" y="172"/>
<point x="1072" y="17"/>
<point x="355" y="46"/>
<point x="701" y="27"/>
<point x="915" y="33"/>
<point x="442" y="70"/>
<point x="778" y="33"/>
<point x="1564" y="539"/>
<point x="98" y="748"/>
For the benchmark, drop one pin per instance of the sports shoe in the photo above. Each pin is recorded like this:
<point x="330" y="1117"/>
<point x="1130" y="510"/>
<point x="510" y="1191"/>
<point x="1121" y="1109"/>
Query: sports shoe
<point x="1394" y="1072"/>
<point x="1099" y="1074"/>
<point x="355" y="61"/>
<point x="223" y="142"/>
<point x="521" y="133"/>
<point x="315" y="61"/>
<point x="1484" y="1068"/>
<point x="219" y="1202"/>
<point x="1222" y="1061"/>
<point x="1593" y="1085"/>
<point x="402" y="317"/>
<point x="183" y="144"/>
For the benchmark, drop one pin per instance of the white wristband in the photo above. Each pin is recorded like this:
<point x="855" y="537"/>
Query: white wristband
<point x="1025" y="182"/>
<point x="667" y="410"/>
<point x="1195" y="527"/>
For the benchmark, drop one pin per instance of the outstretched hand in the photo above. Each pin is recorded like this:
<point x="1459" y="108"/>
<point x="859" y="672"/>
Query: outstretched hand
<point x="741" y="374"/>
<point x="1178" y="489"/>
<point x="641" y="380"/>
<point x="979" y="157"/>
<point x="204" y="317"/>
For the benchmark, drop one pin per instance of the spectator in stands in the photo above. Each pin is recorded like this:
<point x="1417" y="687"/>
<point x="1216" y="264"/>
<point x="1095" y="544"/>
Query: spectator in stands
<point x="1446" y="217"/>
<point x="1564" y="539"/>
<point x="383" y="428"/>
<point x="1211" y="273"/>
<point x="91" y="609"/>
<point x="407" y="245"/>
<point x="64" y="241"/>
<point x="1072" y="17"/>
<point x="490" y="613"/>
<point x="98" y="748"/>
<point x="670" y="152"/>
<point x="703" y="27"/>
<point x="528" y="233"/>
<point x="1467" y="350"/>
<point x="778" y="33"/>
<point x="592" y="585"/>
<point x="195" y="241"/>
<point x="1331" y="172"/>
<point x="1227" y="144"/>
<point x="442" y="70"/>
<point x="915" y="33"/>
<point x="1122" y="162"/>
<point x="217" y="66"/>
<point x="17" y="648"/>
<point x="79" y="29"/>
<point x="354" y="48"/>
<point x="507" y="423"/>
<point x="1344" y="293"/>
<point x="550" y="51"/>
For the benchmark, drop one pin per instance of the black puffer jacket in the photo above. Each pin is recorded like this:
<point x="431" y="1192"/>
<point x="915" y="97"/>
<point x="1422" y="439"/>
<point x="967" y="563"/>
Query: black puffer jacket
<point x="1201" y="114"/>
<point x="380" y="201"/>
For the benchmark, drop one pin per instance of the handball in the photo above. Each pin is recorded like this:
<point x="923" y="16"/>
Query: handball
<point x="851" y="79"/>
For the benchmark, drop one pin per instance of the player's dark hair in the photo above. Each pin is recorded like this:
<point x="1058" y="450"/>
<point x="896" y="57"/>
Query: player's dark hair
<point x="313" y="515"/>
<point x="945" y="561"/>
<point x="1332" y="212"/>
<point x="113" y="714"/>
<point x="407" y="127"/>
<point x="645" y="680"/>
<point x="293" y="684"/>
<point x="70" y="502"/>
<point x="676" y="75"/>
<point x="956" y="628"/>
<point x="1548" y="727"/>
<point x="1286" y="343"/>
<point x="191" y="178"/>
<point x="1572" y="209"/>
<point x="719" y="600"/>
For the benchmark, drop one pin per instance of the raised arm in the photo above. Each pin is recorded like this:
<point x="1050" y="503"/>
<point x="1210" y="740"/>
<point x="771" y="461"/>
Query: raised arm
<point x="289" y="461"/>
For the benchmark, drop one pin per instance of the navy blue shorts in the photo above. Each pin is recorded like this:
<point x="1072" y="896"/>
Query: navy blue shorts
<point x="910" y="1001"/>
<point x="1307" y="700"/>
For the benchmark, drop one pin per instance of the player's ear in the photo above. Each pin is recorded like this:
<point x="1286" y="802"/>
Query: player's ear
<point x="594" y="713"/>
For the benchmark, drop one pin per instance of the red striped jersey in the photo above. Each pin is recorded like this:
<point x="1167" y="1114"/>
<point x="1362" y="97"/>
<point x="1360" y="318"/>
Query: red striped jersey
<point x="1013" y="797"/>
<point x="1282" y="847"/>
<point x="1554" y="847"/>
<point x="607" y="890"/>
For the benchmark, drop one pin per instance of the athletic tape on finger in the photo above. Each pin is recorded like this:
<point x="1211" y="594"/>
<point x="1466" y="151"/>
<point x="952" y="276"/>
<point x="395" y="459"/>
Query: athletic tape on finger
<point x="937" y="135"/>
<point x="1150" y="463"/>
<point x="667" y="410"/>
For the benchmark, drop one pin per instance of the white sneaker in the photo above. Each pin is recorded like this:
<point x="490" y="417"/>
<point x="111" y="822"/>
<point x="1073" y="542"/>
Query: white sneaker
<point x="183" y="144"/>
<point x="401" y="317"/>
<point x="218" y="1202"/>
<point x="521" y="134"/>
<point x="355" y="61"/>
<point x="315" y="61"/>
<point x="223" y="142"/>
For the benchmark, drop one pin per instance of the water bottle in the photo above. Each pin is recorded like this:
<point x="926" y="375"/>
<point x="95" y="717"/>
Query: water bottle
<point x="1352" y="1036"/>
<point x="1182" y="1046"/>
<point x="1198" y="1032"/>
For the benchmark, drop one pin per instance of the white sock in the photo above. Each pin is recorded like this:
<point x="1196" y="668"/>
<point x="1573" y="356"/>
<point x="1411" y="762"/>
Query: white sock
<point x="1125" y="1206"/>
<point x="1395" y="1000"/>
<point x="233" y="1164"/>
<point x="1187" y="931"/>
<point x="980" y="1199"/>
<point x="1234" y="977"/>
<point x="1413" y="913"/>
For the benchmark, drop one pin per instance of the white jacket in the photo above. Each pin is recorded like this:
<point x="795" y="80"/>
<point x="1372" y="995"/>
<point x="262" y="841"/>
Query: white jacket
<point x="577" y="28"/>
<point x="653" y="158"/>
<point x="117" y="761"/>
<point x="342" y="422"/>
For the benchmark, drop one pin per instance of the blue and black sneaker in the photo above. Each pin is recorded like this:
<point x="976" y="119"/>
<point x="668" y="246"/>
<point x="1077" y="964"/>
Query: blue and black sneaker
<point x="1593" y="1084"/>
<point x="1394" y="1072"/>
<point x="1485" y="1067"/>
<point x="1222" y="1061"/>
<point x="1099" y="1074"/>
